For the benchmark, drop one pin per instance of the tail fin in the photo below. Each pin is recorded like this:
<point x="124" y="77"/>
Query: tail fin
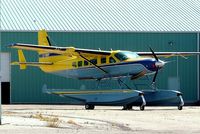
<point x="21" y="59"/>
<point x="43" y="39"/>
<point x="23" y="64"/>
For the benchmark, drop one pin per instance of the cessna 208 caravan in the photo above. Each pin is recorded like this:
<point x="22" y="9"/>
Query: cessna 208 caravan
<point x="99" y="65"/>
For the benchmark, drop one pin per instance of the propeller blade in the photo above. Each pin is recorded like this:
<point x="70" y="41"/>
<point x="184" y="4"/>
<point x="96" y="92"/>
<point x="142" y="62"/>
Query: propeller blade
<point x="154" y="78"/>
<point x="153" y="54"/>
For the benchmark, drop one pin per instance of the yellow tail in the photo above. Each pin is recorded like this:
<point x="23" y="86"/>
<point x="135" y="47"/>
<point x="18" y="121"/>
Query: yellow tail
<point x="44" y="63"/>
<point x="43" y="39"/>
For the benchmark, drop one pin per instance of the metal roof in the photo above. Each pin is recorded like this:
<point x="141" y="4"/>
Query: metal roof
<point x="101" y="15"/>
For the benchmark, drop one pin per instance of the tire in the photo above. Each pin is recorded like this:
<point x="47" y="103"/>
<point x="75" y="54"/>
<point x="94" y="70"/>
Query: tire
<point x="127" y="107"/>
<point x="180" y="107"/>
<point x="142" y="107"/>
<point x="89" y="107"/>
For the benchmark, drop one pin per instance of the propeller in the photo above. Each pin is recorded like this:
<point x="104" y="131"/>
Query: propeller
<point x="153" y="53"/>
<point x="154" y="78"/>
<point x="159" y="64"/>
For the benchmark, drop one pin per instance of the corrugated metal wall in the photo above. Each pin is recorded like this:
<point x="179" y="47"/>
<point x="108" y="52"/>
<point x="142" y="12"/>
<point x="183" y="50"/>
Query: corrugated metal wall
<point x="26" y="85"/>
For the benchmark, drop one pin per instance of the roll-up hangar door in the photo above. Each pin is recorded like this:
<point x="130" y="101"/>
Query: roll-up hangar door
<point x="5" y="78"/>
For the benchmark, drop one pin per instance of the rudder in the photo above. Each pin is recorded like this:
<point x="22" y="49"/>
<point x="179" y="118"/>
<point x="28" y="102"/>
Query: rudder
<point x="43" y="39"/>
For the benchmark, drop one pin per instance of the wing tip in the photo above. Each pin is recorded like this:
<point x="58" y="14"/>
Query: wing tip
<point x="12" y="45"/>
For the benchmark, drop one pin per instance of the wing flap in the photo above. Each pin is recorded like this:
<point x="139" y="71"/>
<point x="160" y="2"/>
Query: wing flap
<point x="91" y="51"/>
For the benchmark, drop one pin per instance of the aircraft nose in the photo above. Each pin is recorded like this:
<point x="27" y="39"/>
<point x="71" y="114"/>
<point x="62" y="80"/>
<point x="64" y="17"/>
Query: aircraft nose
<point x="159" y="64"/>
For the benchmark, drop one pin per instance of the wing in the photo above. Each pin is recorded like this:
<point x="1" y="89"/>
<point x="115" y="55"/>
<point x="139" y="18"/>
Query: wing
<point x="48" y="49"/>
<point x="78" y="51"/>
<point x="167" y="54"/>
<point x="59" y="50"/>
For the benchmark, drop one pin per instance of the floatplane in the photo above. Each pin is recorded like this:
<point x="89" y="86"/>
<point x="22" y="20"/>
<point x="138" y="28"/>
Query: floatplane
<point x="98" y="65"/>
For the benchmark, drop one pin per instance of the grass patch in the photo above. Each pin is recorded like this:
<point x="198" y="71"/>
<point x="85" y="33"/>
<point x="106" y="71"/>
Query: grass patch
<point x="52" y="121"/>
<point x="73" y="123"/>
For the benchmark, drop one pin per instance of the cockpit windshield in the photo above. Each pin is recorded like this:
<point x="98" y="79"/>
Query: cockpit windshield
<point x="126" y="55"/>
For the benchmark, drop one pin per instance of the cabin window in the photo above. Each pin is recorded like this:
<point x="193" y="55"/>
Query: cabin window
<point x="126" y="55"/>
<point x="85" y="63"/>
<point x="103" y="60"/>
<point x="112" y="60"/>
<point x="79" y="63"/>
<point x="94" y="61"/>
<point x="73" y="64"/>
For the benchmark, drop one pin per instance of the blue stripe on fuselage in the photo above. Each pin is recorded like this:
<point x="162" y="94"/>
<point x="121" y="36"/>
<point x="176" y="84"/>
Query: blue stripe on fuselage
<point x="147" y="63"/>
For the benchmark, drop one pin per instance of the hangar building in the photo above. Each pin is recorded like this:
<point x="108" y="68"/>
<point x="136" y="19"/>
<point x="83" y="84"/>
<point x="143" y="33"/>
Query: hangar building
<point x="165" y="25"/>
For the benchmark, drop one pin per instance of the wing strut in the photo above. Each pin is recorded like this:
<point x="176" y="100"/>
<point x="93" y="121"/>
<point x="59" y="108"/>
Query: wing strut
<point x="94" y="64"/>
<point x="103" y="70"/>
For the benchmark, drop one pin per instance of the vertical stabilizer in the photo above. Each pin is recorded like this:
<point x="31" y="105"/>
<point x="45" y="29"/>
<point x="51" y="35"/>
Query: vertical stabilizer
<point x="43" y="39"/>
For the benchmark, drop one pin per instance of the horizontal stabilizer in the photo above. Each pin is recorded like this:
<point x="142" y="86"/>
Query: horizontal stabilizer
<point x="32" y="63"/>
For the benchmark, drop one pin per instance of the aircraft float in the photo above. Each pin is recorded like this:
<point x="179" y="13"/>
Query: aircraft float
<point x="98" y="65"/>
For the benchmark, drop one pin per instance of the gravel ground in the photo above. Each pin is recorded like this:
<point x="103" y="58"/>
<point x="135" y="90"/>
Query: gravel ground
<point x="63" y="119"/>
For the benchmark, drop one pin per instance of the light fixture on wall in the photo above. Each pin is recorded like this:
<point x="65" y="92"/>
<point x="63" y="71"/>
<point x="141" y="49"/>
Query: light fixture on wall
<point x="171" y="43"/>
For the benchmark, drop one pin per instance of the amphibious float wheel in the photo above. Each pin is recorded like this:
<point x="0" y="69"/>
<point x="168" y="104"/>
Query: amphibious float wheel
<point x="127" y="107"/>
<point x="89" y="107"/>
<point x="124" y="107"/>
<point x="180" y="107"/>
<point x="142" y="107"/>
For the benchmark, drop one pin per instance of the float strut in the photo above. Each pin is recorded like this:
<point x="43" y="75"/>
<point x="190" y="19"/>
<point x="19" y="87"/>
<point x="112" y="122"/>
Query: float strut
<point x="143" y="102"/>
